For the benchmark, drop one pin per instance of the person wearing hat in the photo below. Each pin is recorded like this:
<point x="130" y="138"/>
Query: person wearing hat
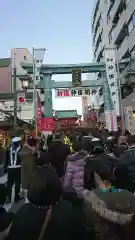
<point x="13" y="169"/>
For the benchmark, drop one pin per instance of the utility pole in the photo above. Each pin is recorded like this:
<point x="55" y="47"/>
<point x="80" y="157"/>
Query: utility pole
<point x="15" y="96"/>
<point x="34" y="90"/>
<point x="38" y="56"/>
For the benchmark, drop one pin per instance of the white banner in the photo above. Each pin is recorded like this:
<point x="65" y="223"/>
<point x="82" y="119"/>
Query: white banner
<point x="111" y="120"/>
<point x="112" y="76"/>
<point x="74" y="92"/>
<point x="38" y="55"/>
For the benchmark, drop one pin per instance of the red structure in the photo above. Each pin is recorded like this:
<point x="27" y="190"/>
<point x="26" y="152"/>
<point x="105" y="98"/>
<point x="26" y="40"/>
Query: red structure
<point x="66" y="119"/>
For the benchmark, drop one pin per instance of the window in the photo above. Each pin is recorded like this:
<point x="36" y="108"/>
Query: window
<point x="133" y="19"/>
<point x="41" y="91"/>
<point x="133" y="52"/>
<point x="131" y="23"/>
<point x="25" y="58"/>
<point x="130" y="26"/>
<point x="127" y="2"/>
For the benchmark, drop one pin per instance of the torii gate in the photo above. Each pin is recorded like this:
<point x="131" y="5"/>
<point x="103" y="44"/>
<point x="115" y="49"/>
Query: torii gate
<point x="47" y="84"/>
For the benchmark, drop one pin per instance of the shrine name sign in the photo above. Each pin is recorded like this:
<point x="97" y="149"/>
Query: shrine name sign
<point x="74" y="92"/>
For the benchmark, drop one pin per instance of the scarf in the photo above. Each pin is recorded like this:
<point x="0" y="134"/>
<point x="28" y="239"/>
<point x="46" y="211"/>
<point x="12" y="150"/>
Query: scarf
<point x="13" y="160"/>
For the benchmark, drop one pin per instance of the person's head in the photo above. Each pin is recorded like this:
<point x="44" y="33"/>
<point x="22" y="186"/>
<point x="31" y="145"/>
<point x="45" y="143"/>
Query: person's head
<point x="122" y="140"/>
<point x="76" y="145"/>
<point x="120" y="150"/>
<point x="45" y="187"/>
<point x="103" y="172"/>
<point x="131" y="140"/>
<point x="86" y="143"/>
<point x="125" y="176"/>
<point x="49" y="139"/>
<point x="16" y="141"/>
<point x="32" y="141"/>
<point x="96" y="146"/>
<point x="44" y="159"/>
<point x="57" y="136"/>
<point x="3" y="194"/>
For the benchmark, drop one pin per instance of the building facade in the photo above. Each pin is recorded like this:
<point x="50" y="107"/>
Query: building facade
<point x="113" y="24"/>
<point x="18" y="55"/>
<point x="5" y="75"/>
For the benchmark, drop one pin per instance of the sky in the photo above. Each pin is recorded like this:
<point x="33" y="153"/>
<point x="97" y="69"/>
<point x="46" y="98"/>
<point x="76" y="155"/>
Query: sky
<point x="62" y="27"/>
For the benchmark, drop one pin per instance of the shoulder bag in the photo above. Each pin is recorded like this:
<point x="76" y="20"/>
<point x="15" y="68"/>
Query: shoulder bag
<point x="46" y="220"/>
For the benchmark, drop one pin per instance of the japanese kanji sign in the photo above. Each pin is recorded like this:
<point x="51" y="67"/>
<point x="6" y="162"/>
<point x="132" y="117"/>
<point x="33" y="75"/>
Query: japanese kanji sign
<point x="74" y="92"/>
<point x="112" y="76"/>
<point x="76" y="76"/>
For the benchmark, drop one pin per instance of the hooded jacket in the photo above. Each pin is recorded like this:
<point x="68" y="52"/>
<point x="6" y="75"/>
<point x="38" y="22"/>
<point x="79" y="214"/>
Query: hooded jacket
<point x="74" y="176"/>
<point x="109" y="213"/>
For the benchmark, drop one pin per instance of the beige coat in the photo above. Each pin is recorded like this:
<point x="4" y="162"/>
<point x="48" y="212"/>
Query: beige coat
<point x="28" y="165"/>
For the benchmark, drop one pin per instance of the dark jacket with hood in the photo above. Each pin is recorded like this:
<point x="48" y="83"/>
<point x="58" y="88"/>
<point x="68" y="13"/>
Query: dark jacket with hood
<point x="62" y="224"/>
<point x="128" y="157"/>
<point x="109" y="214"/>
<point x="58" y="152"/>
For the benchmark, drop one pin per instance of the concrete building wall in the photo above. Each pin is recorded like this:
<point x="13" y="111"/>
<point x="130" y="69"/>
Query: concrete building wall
<point x="113" y="22"/>
<point x="128" y="104"/>
<point x="5" y="79"/>
<point x="19" y="55"/>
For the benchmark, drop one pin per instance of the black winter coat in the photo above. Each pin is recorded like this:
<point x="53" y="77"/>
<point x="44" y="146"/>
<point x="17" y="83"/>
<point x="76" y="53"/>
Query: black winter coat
<point x="63" y="223"/>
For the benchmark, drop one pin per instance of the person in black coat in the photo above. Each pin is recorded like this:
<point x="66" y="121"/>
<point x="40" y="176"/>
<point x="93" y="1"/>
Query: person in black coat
<point x="44" y="199"/>
<point x="13" y="168"/>
<point x="58" y="152"/>
<point x="5" y="218"/>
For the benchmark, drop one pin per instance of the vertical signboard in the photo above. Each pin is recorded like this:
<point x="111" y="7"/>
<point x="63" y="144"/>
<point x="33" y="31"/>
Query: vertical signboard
<point x="111" y="120"/>
<point x="38" y="57"/>
<point x="76" y="76"/>
<point x="112" y="76"/>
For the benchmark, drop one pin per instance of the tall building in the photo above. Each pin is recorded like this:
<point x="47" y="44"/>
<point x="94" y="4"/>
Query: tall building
<point x="113" y="22"/>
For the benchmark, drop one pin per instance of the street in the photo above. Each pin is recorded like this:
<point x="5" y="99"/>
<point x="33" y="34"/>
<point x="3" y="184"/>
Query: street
<point x="12" y="207"/>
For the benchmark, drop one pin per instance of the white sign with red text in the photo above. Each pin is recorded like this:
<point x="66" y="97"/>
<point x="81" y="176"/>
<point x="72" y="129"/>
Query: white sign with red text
<point x="74" y="92"/>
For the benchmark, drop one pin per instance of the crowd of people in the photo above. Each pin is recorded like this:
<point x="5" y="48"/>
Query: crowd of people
<point x="83" y="193"/>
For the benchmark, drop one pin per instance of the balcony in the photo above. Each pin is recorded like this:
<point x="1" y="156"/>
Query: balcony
<point x="131" y="39"/>
<point x="99" y="51"/>
<point x="115" y="9"/>
<point x="95" y="10"/>
<point x="123" y="49"/>
<point x="98" y="16"/>
<point x="99" y="32"/>
<point x="119" y="31"/>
